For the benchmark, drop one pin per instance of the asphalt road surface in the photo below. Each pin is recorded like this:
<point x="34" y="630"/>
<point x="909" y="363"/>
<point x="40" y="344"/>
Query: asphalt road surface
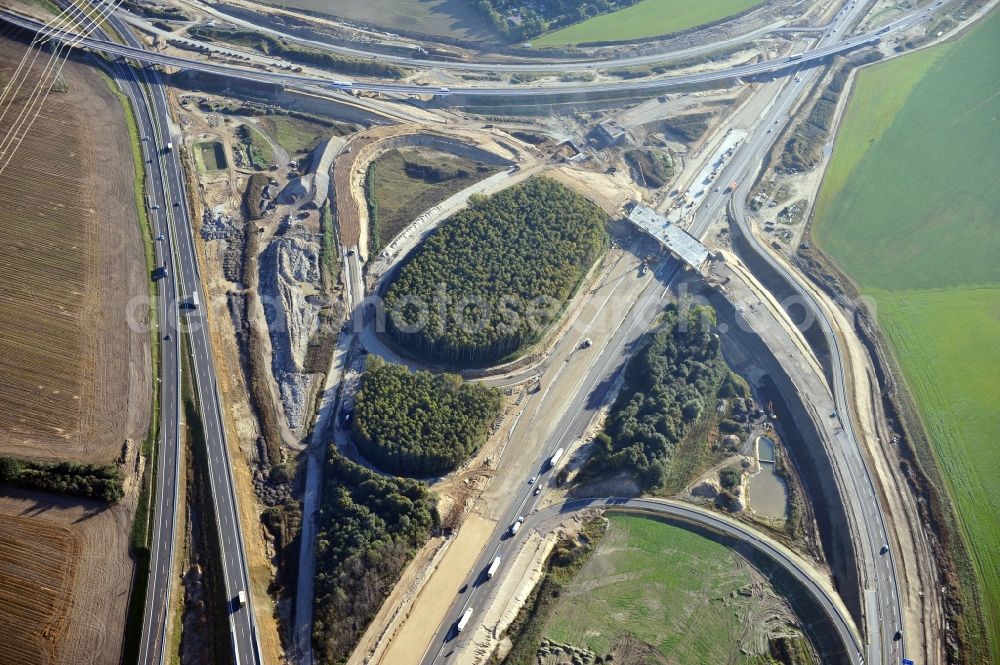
<point x="166" y="187"/>
<point x="740" y="168"/>
<point x="829" y="47"/>
<point x="545" y="519"/>
<point x="167" y="183"/>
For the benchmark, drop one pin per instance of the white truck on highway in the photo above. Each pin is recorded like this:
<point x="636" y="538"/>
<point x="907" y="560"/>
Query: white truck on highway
<point x="494" y="567"/>
<point x="170" y="146"/>
<point x="463" y="620"/>
<point x="555" y="458"/>
<point x="241" y="599"/>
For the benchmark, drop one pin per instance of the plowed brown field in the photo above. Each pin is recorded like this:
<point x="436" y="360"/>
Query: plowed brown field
<point x="64" y="580"/>
<point x="74" y="376"/>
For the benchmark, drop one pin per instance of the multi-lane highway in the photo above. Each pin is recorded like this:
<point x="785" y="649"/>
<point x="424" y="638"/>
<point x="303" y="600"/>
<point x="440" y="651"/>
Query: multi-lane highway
<point x="545" y="519"/>
<point x="176" y="251"/>
<point x="829" y="46"/>
<point x="881" y="617"/>
<point x="538" y="65"/>
<point x="161" y="216"/>
<point x="167" y="192"/>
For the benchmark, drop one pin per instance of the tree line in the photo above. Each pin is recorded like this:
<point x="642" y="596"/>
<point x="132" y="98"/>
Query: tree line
<point x="420" y="424"/>
<point x="490" y="280"/>
<point x="89" y="481"/>
<point x="668" y="385"/>
<point x="368" y="529"/>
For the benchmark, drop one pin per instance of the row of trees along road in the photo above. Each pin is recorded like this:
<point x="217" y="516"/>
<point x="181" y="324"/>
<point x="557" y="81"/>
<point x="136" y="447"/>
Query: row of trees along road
<point x="491" y="280"/>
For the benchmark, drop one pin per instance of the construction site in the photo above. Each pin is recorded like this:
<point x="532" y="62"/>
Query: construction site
<point x="704" y="451"/>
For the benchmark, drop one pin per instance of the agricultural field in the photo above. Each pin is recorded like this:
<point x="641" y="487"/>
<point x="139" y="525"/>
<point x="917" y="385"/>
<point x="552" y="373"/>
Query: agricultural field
<point x="647" y="18"/>
<point x="453" y="19"/>
<point x="671" y="593"/>
<point x="925" y="249"/>
<point x="403" y="190"/>
<point x="74" y="373"/>
<point x="65" y="574"/>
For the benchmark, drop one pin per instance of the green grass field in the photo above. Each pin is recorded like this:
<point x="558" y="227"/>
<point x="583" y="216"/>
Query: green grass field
<point x="647" y="18"/>
<point x="909" y="209"/>
<point x="297" y="135"/>
<point x="668" y="587"/>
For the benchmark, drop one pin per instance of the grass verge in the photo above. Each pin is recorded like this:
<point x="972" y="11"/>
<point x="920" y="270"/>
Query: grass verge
<point x="566" y="559"/>
<point x="143" y="517"/>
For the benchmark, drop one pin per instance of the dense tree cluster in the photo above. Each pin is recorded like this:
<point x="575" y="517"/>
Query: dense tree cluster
<point x="101" y="483"/>
<point x="668" y="386"/>
<point x="420" y="424"/>
<point x="517" y="19"/>
<point x="493" y="277"/>
<point x="368" y="529"/>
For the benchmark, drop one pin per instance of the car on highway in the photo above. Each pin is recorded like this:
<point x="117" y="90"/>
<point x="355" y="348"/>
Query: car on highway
<point x="884" y="550"/>
<point x="538" y="490"/>
<point x="587" y="343"/>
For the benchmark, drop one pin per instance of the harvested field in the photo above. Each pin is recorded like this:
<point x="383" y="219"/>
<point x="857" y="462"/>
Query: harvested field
<point x="74" y="376"/>
<point x="64" y="580"/>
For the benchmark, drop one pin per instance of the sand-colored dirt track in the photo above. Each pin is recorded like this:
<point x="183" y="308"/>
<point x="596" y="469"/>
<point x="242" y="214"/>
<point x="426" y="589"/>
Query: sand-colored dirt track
<point x="74" y="375"/>
<point x="64" y="580"/>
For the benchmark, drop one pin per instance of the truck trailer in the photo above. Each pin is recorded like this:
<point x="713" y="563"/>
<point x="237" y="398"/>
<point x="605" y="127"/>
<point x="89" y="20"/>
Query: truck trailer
<point x="463" y="620"/>
<point x="494" y="567"/>
<point x="555" y="458"/>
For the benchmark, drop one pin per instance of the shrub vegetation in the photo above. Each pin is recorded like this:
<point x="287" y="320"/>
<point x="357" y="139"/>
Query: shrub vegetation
<point x="420" y="424"/>
<point x="486" y="283"/>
